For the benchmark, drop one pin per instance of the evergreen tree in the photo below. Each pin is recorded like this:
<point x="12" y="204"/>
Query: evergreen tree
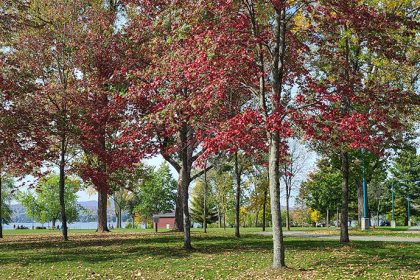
<point x="199" y="195"/>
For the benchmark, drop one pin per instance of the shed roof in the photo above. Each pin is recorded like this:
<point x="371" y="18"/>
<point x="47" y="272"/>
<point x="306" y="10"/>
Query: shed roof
<point x="165" y="215"/>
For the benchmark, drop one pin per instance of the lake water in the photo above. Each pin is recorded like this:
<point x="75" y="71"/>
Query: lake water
<point x="90" y="225"/>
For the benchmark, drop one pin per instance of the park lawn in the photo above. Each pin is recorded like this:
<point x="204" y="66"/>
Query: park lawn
<point x="218" y="255"/>
<point x="402" y="231"/>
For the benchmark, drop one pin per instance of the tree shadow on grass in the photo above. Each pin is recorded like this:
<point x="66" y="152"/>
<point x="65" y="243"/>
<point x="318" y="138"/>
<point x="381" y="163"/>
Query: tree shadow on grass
<point x="169" y="246"/>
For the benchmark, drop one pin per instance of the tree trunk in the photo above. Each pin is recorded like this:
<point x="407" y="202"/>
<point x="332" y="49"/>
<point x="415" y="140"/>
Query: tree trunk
<point x="1" y="208"/>
<point x="205" y="200"/>
<point x="219" y="217"/>
<point x="274" y="184"/>
<point x="62" y="185"/>
<point x="102" y="208"/>
<point x="119" y="217"/>
<point x="256" y="217"/>
<point x="344" y="232"/>
<point x="224" y="221"/>
<point x="187" y="218"/>
<point x="179" y="215"/>
<point x="185" y="154"/>
<point x="264" y="210"/>
<point x="238" y="196"/>
<point x="328" y="218"/>
<point x="287" y="210"/>
<point x="338" y="218"/>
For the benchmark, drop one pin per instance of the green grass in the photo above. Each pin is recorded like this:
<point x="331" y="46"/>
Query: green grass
<point x="136" y="254"/>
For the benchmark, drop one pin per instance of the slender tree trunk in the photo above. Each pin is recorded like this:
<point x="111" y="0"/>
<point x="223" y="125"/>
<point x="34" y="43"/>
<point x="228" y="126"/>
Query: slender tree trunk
<point x="238" y="196"/>
<point x="205" y="200"/>
<point x="287" y="211"/>
<point x="120" y="217"/>
<point x="328" y="218"/>
<point x="338" y="218"/>
<point x="62" y="185"/>
<point x="102" y="208"/>
<point x="274" y="184"/>
<point x="224" y="221"/>
<point x="1" y="208"/>
<point x="359" y="203"/>
<point x="344" y="232"/>
<point x="264" y="210"/>
<point x="256" y="217"/>
<point x="219" y="217"/>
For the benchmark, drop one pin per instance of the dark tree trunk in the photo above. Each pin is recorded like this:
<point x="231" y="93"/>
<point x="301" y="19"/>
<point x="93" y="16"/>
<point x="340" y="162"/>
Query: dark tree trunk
<point x="1" y="210"/>
<point x="238" y="196"/>
<point x="224" y="221"/>
<point x="344" y="232"/>
<point x="185" y="154"/>
<point x="264" y="210"/>
<point x="62" y="185"/>
<point x="102" y="209"/>
<point x="179" y="215"/>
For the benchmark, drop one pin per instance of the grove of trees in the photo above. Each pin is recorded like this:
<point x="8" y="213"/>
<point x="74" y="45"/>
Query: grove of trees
<point x="219" y="89"/>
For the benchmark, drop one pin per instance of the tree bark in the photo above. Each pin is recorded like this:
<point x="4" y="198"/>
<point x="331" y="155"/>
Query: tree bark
<point x="62" y="185"/>
<point x="1" y="208"/>
<point x="102" y="209"/>
<point x="328" y="218"/>
<point x="287" y="210"/>
<point x="338" y="218"/>
<point x="274" y="184"/>
<point x="264" y="210"/>
<point x="205" y="200"/>
<point x="238" y="196"/>
<point x="185" y="154"/>
<point x="344" y="230"/>
<point x="179" y="215"/>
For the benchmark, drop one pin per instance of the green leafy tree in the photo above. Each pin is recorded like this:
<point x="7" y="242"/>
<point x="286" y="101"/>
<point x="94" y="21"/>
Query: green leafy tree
<point x="157" y="193"/>
<point x="197" y="205"/>
<point x="322" y="190"/>
<point x="405" y="172"/>
<point x="7" y="185"/>
<point x="44" y="205"/>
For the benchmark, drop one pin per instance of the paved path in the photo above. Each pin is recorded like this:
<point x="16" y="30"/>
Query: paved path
<point x="352" y="237"/>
